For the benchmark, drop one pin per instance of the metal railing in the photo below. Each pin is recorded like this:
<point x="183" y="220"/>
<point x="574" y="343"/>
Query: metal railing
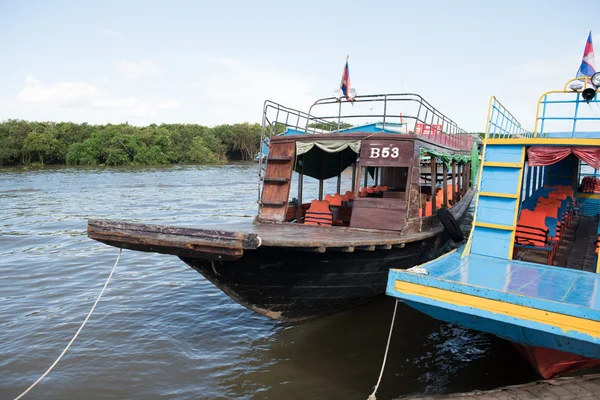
<point x="501" y="124"/>
<point x="566" y="112"/>
<point x="332" y="115"/>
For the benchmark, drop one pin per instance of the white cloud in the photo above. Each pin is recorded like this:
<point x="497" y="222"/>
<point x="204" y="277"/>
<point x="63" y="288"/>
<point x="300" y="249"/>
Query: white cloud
<point x="111" y="33"/>
<point x="168" y="105"/>
<point x="63" y="94"/>
<point x="233" y="90"/>
<point x="71" y="95"/>
<point x="136" y="70"/>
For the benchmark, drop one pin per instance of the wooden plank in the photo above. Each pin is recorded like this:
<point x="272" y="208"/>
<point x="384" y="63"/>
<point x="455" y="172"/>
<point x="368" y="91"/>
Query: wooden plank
<point x="277" y="203"/>
<point x="381" y="218"/>
<point x="187" y="242"/>
<point x="279" y="158"/>
<point x="276" y="180"/>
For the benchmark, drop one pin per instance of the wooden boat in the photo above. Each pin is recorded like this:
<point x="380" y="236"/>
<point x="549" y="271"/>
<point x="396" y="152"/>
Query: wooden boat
<point x="301" y="259"/>
<point x="529" y="272"/>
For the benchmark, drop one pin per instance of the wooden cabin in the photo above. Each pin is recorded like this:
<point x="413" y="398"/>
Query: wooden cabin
<point x="386" y="189"/>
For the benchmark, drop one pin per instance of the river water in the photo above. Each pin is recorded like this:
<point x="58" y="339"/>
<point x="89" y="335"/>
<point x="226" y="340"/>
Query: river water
<point x="162" y="331"/>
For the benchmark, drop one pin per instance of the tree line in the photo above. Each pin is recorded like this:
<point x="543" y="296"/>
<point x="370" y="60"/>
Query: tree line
<point x="26" y="143"/>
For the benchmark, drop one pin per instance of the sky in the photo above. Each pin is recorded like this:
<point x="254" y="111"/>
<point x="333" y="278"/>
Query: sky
<point x="216" y="62"/>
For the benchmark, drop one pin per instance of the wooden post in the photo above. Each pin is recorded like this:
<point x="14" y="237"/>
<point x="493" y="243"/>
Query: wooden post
<point x="357" y="182"/>
<point x="468" y="175"/>
<point x="320" y="189"/>
<point x="339" y="178"/>
<point x="453" y="182"/>
<point x="465" y="185"/>
<point x="366" y="176"/>
<point x="433" y="184"/>
<point x="459" y="183"/>
<point x="300" y="181"/>
<point x="354" y="176"/>
<point x="445" y="183"/>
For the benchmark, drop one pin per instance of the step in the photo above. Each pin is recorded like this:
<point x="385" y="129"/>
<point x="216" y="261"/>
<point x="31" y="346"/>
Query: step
<point x="276" y="180"/>
<point x="276" y="203"/>
<point x="280" y="158"/>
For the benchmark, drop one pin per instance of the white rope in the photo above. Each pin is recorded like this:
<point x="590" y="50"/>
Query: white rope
<point x="76" y="333"/>
<point x="387" y="347"/>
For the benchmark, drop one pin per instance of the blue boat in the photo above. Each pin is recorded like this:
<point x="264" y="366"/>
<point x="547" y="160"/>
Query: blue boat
<point x="529" y="272"/>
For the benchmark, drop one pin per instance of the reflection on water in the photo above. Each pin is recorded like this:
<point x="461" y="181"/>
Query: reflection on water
<point x="161" y="330"/>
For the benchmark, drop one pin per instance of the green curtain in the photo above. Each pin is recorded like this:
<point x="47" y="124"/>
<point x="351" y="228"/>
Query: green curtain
<point x="446" y="158"/>
<point x="474" y="163"/>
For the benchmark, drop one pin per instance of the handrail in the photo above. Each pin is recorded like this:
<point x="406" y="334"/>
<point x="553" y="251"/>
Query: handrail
<point x="541" y="117"/>
<point x="428" y="121"/>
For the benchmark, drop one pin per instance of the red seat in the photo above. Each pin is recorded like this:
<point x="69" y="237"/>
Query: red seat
<point x="532" y="233"/>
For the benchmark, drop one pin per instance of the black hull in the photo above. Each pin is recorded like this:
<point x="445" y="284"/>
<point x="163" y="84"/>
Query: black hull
<point x="293" y="285"/>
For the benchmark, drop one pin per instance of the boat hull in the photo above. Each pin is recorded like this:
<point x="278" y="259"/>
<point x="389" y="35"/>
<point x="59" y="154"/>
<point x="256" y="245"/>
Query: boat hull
<point x="295" y="285"/>
<point x="550" y="363"/>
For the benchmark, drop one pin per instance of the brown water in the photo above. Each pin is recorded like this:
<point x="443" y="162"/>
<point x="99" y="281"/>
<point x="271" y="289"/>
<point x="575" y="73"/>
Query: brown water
<point x="162" y="331"/>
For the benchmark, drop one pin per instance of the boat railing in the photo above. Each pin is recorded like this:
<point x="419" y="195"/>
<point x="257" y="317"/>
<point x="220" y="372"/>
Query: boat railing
<point x="405" y="113"/>
<point x="408" y="109"/>
<point x="501" y="124"/>
<point x="567" y="113"/>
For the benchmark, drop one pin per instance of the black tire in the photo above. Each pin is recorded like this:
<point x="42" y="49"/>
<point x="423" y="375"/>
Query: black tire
<point x="450" y="225"/>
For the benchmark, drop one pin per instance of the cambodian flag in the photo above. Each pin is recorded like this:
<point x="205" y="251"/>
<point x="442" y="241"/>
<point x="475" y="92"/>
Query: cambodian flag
<point x="345" y="85"/>
<point x="588" y="63"/>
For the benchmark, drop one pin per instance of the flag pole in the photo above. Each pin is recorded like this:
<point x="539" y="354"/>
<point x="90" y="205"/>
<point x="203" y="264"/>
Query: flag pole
<point x="340" y="101"/>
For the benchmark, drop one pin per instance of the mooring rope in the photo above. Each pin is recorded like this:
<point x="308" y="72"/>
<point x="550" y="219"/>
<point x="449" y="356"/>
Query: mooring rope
<point x="76" y="333"/>
<point x="387" y="348"/>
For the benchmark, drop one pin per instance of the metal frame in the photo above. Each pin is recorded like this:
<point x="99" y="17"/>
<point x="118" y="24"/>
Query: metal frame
<point x="277" y="116"/>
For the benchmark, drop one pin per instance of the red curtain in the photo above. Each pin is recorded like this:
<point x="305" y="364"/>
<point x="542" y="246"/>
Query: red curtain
<point x="589" y="155"/>
<point x="545" y="155"/>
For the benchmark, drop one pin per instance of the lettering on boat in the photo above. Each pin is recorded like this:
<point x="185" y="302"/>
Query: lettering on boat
<point x="384" y="152"/>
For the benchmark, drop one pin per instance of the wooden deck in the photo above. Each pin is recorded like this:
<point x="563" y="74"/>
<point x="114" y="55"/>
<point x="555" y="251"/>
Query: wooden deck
<point x="585" y="387"/>
<point x="577" y="250"/>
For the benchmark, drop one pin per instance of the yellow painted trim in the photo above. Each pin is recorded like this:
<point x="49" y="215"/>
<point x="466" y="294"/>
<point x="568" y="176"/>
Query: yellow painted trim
<point x="566" y="88"/>
<point x="541" y="141"/>
<point x="502" y="164"/>
<point x="563" y="322"/>
<point x="503" y="195"/>
<point x="598" y="265"/>
<point x="494" y="226"/>
<point x="511" y="244"/>
<point x="588" y="195"/>
<point x="511" y="248"/>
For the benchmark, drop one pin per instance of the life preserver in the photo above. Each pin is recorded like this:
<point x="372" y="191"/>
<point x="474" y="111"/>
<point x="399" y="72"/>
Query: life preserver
<point x="450" y="225"/>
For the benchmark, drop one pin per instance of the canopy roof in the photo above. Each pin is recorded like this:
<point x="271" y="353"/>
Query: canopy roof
<point x="324" y="159"/>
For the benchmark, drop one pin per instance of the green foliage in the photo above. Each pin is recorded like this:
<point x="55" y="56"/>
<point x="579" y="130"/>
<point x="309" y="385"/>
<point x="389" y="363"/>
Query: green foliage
<point x="200" y="153"/>
<point x="25" y="143"/>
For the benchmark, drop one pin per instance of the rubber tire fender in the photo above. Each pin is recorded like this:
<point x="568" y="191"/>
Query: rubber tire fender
<point x="450" y="225"/>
